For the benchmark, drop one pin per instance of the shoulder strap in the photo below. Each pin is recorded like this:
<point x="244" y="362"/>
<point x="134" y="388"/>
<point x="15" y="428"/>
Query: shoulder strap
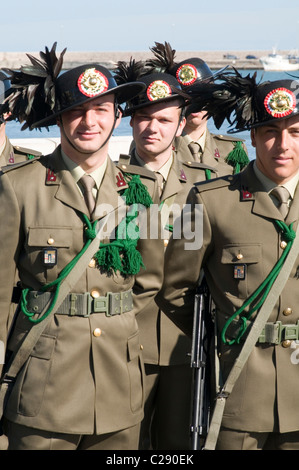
<point x="249" y="343"/>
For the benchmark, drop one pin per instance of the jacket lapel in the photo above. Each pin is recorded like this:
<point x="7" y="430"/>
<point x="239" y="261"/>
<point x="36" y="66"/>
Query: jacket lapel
<point x="67" y="190"/>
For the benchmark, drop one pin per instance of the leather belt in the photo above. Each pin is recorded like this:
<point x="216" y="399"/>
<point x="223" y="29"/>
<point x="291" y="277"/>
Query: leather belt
<point x="82" y="305"/>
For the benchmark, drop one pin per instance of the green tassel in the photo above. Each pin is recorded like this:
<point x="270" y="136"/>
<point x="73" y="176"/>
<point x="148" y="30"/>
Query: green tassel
<point x="108" y="259"/>
<point x="137" y="193"/>
<point x="237" y="158"/>
<point x="132" y="260"/>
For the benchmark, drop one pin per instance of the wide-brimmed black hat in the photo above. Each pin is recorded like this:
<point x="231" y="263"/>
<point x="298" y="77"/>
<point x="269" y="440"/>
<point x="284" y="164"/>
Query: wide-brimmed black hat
<point x="85" y="83"/>
<point x="189" y="71"/>
<point x="5" y="87"/>
<point x="159" y="88"/>
<point x="41" y="93"/>
<point x="245" y="103"/>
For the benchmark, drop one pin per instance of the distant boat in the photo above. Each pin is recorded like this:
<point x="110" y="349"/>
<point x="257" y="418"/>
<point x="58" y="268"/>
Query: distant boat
<point x="280" y="63"/>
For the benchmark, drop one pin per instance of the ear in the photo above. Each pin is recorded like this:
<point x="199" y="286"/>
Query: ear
<point x="118" y="117"/>
<point x="181" y="127"/>
<point x="252" y="135"/>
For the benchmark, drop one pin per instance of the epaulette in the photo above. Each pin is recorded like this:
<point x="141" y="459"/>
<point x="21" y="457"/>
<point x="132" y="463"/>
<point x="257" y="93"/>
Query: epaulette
<point x="198" y="165"/>
<point x="124" y="159"/>
<point x="14" y="166"/>
<point x="136" y="170"/>
<point x="28" y="152"/>
<point x="217" y="183"/>
<point x="229" y="138"/>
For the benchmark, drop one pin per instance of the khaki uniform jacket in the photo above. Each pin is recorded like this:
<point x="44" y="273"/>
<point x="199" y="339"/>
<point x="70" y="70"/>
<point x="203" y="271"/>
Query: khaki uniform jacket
<point x="74" y="381"/>
<point x="217" y="147"/>
<point x="14" y="154"/>
<point x="163" y="342"/>
<point x="239" y="220"/>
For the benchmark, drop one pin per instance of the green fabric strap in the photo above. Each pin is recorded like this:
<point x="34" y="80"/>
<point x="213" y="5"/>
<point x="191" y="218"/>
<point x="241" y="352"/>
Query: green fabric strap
<point x="120" y="254"/>
<point x="289" y="236"/>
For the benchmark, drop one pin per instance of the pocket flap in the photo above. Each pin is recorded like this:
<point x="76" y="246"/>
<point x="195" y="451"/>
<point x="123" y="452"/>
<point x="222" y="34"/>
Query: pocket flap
<point x="241" y="253"/>
<point x="50" y="236"/>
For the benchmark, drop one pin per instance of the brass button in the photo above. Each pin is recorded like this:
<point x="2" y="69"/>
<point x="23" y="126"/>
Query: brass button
<point x="240" y="256"/>
<point x="50" y="241"/>
<point x="166" y="242"/>
<point x="141" y="347"/>
<point x="92" y="263"/>
<point x="286" y="343"/>
<point x="287" y="311"/>
<point x="124" y="166"/>
<point x="94" y="293"/>
<point x="283" y="245"/>
<point x="97" y="332"/>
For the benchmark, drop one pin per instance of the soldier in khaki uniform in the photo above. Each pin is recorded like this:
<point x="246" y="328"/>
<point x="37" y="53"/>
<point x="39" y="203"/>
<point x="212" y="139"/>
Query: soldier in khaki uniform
<point x="8" y="153"/>
<point x="157" y="116"/>
<point x="245" y="233"/>
<point x="197" y="143"/>
<point x="82" y="387"/>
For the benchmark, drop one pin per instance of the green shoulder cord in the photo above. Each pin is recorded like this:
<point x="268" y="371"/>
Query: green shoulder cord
<point x="120" y="254"/>
<point x="237" y="157"/>
<point x="289" y="236"/>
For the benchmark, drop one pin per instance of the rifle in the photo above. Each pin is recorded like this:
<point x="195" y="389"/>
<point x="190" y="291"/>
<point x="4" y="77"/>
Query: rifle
<point x="201" y="337"/>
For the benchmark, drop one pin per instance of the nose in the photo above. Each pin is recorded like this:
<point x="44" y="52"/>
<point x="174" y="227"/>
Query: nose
<point x="152" y="125"/>
<point x="89" y="117"/>
<point x="284" y="139"/>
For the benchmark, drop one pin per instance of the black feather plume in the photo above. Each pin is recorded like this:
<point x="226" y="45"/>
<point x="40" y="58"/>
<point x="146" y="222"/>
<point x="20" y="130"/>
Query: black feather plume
<point x="164" y="58"/>
<point x="33" y="87"/>
<point x="131" y="71"/>
<point x="232" y="99"/>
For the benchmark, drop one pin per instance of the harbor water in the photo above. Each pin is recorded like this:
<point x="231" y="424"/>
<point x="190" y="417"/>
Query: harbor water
<point x="13" y="128"/>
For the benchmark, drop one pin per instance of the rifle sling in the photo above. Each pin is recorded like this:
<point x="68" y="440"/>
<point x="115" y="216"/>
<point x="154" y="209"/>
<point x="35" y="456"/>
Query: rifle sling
<point x="249" y="343"/>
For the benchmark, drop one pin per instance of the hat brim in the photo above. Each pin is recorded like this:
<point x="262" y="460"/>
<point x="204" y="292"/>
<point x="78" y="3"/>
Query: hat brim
<point x="123" y="93"/>
<point x="131" y="110"/>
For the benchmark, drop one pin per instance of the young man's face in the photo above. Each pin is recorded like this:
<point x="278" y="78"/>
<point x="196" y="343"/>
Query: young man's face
<point x="89" y="125"/>
<point x="277" y="149"/>
<point x="155" y="127"/>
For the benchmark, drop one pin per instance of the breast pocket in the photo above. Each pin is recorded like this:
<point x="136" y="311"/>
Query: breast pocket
<point x="48" y="249"/>
<point x="243" y="266"/>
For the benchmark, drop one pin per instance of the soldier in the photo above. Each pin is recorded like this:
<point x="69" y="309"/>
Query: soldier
<point x="225" y="153"/>
<point x="82" y="386"/>
<point x="247" y="233"/>
<point x="8" y="153"/>
<point x="157" y="117"/>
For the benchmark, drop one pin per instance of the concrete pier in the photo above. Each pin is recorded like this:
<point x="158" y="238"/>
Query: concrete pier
<point x="215" y="59"/>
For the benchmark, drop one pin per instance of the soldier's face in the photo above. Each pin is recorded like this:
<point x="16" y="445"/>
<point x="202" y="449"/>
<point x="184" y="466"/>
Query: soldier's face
<point x="155" y="127"/>
<point x="277" y="149"/>
<point x="88" y="126"/>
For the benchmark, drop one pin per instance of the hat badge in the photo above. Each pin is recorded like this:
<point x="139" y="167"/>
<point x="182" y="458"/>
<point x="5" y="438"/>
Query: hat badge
<point x="158" y="90"/>
<point x="280" y="102"/>
<point x="186" y="74"/>
<point x="92" y="82"/>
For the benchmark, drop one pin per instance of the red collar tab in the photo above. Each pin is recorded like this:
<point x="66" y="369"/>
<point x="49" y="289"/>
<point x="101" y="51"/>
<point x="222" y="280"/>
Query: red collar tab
<point x="51" y="177"/>
<point x="183" y="176"/>
<point x="120" y="181"/>
<point x="246" y="195"/>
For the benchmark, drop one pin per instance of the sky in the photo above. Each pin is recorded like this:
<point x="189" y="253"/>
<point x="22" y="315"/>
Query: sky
<point x="131" y="25"/>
